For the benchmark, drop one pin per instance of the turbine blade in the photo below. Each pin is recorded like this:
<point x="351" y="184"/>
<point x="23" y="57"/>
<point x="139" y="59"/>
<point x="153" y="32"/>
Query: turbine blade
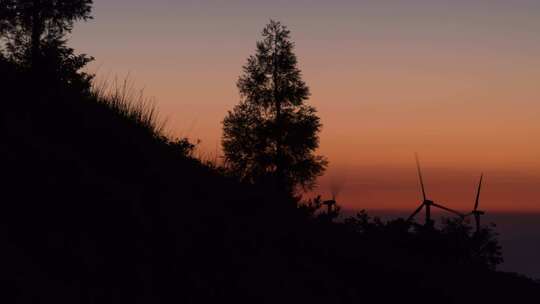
<point x="415" y="212"/>
<point x="420" y="176"/>
<point x="449" y="210"/>
<point x="478" y="192"/>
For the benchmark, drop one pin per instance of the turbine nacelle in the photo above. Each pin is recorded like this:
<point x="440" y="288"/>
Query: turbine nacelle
<point x="428" y="203"/>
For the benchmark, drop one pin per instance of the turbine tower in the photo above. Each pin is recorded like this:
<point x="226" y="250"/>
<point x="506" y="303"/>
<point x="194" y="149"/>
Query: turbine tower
<point x="426" y="203"/>
<point x="477" y="213"/>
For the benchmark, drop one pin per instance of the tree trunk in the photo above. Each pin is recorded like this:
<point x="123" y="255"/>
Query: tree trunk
<point x="280" y="176"/>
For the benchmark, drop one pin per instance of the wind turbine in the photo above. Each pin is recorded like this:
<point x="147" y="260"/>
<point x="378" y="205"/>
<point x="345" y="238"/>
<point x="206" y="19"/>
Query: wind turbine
<point x="331" y="204"/>
<point x="428" y="203"/>
<point x="477" y="213"/>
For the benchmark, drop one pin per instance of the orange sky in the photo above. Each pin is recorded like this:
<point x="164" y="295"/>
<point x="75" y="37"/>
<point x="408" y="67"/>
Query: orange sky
<point x="457" y="81"/>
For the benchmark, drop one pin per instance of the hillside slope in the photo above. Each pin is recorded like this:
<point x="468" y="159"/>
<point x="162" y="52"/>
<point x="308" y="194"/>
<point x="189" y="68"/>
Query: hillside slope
<point x="99" y="209"/>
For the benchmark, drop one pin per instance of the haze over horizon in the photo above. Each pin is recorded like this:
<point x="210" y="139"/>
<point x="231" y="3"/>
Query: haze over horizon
<point x="456" y="81"/>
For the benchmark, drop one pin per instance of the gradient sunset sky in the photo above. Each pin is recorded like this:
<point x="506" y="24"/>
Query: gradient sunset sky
<point x="457" y="81"/>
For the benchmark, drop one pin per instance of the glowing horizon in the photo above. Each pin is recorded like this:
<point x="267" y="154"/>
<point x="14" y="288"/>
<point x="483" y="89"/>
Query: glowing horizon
<point x="456" y="81"/>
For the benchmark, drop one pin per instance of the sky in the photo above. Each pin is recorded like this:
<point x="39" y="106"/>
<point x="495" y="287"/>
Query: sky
<point x="457" y="81"/>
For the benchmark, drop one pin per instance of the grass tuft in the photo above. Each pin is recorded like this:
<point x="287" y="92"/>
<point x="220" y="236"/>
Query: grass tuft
<point x="123" y="99"/>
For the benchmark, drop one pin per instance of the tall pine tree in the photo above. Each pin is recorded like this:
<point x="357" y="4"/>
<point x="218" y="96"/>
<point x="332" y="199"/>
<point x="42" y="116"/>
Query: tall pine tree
<point x="272" y="134"/>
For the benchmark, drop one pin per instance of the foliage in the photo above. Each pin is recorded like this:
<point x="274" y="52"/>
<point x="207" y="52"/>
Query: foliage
<point x="272" y="132"/>
<point x="363" y="223"/>
<point x="183" y="145"/>
<point x="453" y="242"/>
<point x="311" y="206"/>
<point x="51" y="17"/>
<point x="33" y="34"/>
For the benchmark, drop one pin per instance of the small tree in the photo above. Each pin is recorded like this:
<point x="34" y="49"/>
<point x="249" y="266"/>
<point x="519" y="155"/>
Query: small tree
<point x="272" y="134"/>
<point x="34" y="36"/>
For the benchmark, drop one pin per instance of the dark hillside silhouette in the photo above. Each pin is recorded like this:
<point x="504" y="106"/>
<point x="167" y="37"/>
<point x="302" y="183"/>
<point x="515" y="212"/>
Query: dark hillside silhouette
<point x="98" y="206"/>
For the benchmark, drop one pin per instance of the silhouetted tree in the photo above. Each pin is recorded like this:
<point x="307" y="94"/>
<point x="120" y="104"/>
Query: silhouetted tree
<point x="34" y="36"/>
<point x="272" y="134"/>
